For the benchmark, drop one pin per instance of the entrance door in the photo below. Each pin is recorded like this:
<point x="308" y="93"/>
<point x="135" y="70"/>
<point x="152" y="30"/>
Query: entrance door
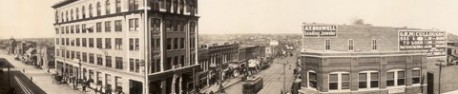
<point x="430" y="82"/>
<point x="135" y="87"/>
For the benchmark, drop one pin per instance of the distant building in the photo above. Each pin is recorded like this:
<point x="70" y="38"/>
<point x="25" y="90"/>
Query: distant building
<point x="213" y="57"/>
<point x="361" y="59"/>
<point x="128" y="46"/>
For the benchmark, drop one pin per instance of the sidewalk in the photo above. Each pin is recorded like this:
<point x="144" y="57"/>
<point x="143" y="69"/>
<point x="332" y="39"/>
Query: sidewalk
<point x="227" y="83"/>
<point x="42" y="78"/>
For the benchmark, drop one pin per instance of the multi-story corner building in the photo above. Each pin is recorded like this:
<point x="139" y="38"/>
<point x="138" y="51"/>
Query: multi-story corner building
<point x="364" y="59"/>
<point x="129" y="46"/>
<point x="214" y="60"/>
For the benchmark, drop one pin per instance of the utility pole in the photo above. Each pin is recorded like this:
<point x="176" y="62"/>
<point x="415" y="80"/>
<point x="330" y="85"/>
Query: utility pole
<point x="284" y="77"/>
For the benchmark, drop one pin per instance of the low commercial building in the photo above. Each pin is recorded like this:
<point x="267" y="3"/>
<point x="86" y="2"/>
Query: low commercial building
<point x="364" y="59"/>
<point x="214" y="60"/>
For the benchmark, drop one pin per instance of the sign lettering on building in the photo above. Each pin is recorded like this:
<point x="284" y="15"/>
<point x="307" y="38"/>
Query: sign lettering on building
<point x="431" y="42"/>
<point x="320" y="30"/>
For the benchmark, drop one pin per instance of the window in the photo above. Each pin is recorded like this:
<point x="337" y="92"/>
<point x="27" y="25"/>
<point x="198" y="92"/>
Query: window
<point x="395" y="78"/>
<point x="83" y="11"/>
<point x="134" y="65"/>
<point x="118" y="43"/>
<point x="107" y="43"/>
<point x="107" y="7"/>
<point x="77" y="42"/>
<point x="131" y="64"/>
<point x="416" y="76"/>
<point x="77" y="13"/>
<point x="83" y="27"/>
<point x="182" y="43"/>
<point x="118" y="6"/>
<point x="312" y="79"/>
<point x="72" y="29"/>
<point x="155" y="25"/>
<point x="63" y="41"/>
<point x="192" y="42"/>
<point x="99" y="43"/>
<point x="333" y="81"/>
<point x="99" y="59"/>
<point x="62" y="29"/>
<point x="107" y="26"/>
<point x="363" y="80"/>
<point x="118" y="26"/>
<point x="167" y="26"/>
<point x="78" y="55"/>
<point x="57" y="52"/>
<point x="91" y="42"/>
<point x="84" y="57"/>
<point x="118" y="63"/>
<point x="374" y="44"/>
<point x="339" y="81"/>
<point x="57" y="41"/>
<point x="108" y="61"/>
<point x="327" y="44"/>
<point x="77" y="29"/>
<point x="98" y="27"/>
<point x="67" y="54"/>
<point x="134" y="44"/>
<point x="192" y="27"/>
<point x="71" y="14"/>
<point x="133" y="5"/>
<point x="72" y="54"/>
<point x="66" y="15"/>
<point x="169" y="43"/>
<point x="67" y="31"/>
<point x="401" y="77"/>
<point x="67" y="41"/>
<point x="368" y="79"/>
<point x="91" y="58"/>
<point x="350" y="44"/>
<point x="175" y="43"/>
<point x="390" y="79"/>
<point x="133" y="24"/>
<point x="72" y="43"/>
<point x="84" y="43"/>
<point x="90" y="10"/>
<point x="374" y="80"/>
<point x="99" y="11"/>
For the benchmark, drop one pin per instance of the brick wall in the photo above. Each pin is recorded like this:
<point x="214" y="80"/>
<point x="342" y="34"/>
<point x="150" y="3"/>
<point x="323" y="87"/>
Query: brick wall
<point x="355" y="64"/>
<point x="387" y="39"/>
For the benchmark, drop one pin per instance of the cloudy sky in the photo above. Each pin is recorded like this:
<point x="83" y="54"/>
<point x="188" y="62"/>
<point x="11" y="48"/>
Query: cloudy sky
<point x="34" y="18"/>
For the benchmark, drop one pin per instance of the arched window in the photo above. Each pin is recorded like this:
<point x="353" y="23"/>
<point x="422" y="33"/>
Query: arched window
<point x="90" y="10"/>
<point x="83" y="11"/>
<point x="368" y="79"/>
<point x="66" y="15"/>
<point x="395" y="77"/>
<point x="107" y="7"/>
<point x="62" y="16"/>
<point x="339" y="81"/>
<point x="77" y="13"/>
<point x="98" y="9"/>
<point x="71" y="14"/>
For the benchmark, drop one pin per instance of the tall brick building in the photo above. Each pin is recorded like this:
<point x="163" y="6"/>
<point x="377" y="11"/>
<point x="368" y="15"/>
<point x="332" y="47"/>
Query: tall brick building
<point x="128" y="46"/>
<point x="364" y="59"/>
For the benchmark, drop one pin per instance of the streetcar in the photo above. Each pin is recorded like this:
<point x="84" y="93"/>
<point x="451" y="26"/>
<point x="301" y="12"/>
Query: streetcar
<point x="252" y="85"/>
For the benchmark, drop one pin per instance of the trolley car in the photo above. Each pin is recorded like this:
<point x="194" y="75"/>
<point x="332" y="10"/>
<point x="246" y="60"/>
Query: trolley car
<point x="252" y="85"/>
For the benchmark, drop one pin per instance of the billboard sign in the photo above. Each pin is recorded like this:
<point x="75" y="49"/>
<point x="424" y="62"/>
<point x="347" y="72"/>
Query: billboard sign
<point x="432" y="42"/>
<point x="315" y="30"/>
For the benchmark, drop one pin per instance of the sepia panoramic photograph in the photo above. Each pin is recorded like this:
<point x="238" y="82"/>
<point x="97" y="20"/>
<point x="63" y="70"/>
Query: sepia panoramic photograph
<point x="228" y="47"/>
